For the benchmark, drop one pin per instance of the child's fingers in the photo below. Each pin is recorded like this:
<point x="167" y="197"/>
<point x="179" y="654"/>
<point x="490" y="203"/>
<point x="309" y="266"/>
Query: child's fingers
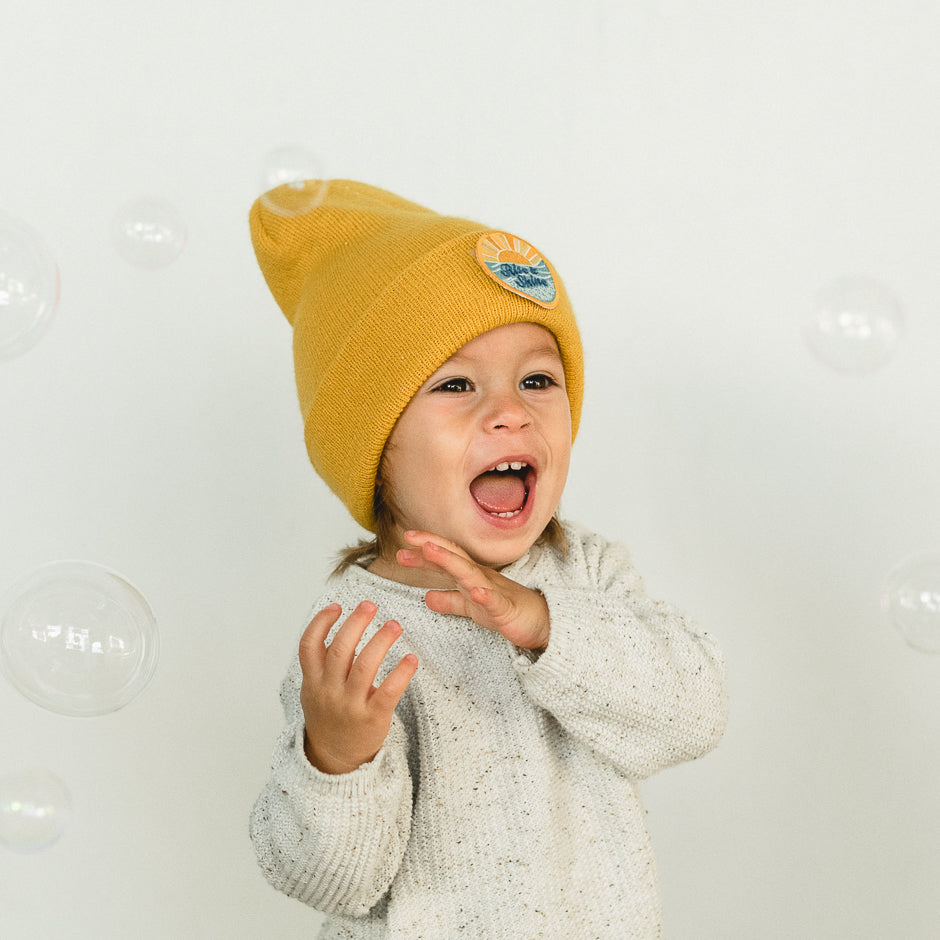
<point x="465" y="572"/>
<point x="484" y="605"/>
<point x="413" y="558"/>
<point x="417" y="539"/>
<point x="392" y="689"/>
<point x="339" y="654"/>
<point x="416" y="557"/>
<point x="447" y="602"/>
<point x="313" y="638"/>
<point x="363" y="671"/>
<point x="493" y="600"/>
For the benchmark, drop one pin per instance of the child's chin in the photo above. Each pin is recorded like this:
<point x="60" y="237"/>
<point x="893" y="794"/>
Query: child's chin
<point x="499" y="556"/>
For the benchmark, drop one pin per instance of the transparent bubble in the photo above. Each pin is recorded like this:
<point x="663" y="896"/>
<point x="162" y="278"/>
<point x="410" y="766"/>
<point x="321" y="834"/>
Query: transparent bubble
<point x="35" y="808"/>
<point x="29" y="287"/>
<point x="911" y="598"/>
<point x="148" y="232"/>
<point x="293" y="181"/>
<point x="855" y="325"/>
<point x="77" y="638"/>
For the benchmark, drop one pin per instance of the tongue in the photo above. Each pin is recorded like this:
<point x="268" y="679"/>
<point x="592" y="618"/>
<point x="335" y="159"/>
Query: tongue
<point x="498" y="492"/>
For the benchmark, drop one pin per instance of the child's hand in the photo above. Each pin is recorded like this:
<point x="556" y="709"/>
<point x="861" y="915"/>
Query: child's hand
<point x="346" y="717"/>
<point x="485" y="596"/>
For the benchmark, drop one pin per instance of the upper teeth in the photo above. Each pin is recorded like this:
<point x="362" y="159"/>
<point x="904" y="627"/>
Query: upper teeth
<point x="515" y="465"/>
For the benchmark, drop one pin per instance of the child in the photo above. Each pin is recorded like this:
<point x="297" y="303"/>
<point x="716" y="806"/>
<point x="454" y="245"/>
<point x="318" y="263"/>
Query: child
<point x="480" y="781"/>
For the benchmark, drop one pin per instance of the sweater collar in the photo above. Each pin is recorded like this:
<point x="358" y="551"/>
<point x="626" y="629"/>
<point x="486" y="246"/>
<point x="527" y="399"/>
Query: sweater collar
<point x="368" y="579"/>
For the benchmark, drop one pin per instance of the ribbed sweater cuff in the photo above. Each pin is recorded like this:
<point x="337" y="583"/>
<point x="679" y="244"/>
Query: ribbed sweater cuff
<point x="300" y="776"/>
<point x="565" y="647"/>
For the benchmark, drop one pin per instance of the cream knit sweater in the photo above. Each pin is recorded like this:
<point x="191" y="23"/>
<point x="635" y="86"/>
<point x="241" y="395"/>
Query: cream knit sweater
<point x="504" y="802"/>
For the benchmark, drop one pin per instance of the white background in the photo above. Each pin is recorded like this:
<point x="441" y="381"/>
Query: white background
<point x="696" y="172"/>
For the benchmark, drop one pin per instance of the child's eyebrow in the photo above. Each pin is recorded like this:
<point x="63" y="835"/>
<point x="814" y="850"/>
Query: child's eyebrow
<point x="545" y="350"/>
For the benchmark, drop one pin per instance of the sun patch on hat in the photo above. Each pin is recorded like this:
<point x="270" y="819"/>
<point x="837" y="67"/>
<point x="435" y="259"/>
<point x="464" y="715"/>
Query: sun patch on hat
<point x="514" y="264"/>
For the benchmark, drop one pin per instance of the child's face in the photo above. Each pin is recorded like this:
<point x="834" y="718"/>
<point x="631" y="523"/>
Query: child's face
<point x="500" y="399"/>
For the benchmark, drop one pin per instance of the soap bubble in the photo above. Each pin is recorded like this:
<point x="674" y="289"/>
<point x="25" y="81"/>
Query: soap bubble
<point x="855" y="325"/>
<point x="148" y="232"/>
<point x="29" y="287"/>
<point x="77" y="638"/>
<point x="911" y="598"/>
<point x="290" y="165"/>
<point x="35" y="808"/>
<point x="293" y="181"/>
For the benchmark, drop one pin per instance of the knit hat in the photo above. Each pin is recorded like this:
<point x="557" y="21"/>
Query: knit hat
<point x="380" y="292"/>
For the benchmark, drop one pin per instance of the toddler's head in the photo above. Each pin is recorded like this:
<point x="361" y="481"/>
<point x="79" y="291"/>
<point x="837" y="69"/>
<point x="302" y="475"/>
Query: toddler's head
<point x="438" y="365"/>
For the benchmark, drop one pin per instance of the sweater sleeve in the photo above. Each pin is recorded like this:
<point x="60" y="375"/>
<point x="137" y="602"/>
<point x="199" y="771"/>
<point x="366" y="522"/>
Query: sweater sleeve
<point x="629" y="676"/>
<point x="333" y="841"/>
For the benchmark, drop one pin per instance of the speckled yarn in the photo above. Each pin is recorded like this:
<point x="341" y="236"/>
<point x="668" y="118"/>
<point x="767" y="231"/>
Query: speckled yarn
<point x="504" y="802"/>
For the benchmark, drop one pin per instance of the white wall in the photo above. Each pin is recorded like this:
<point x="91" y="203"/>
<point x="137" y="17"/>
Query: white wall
<point x="697" y="172"/>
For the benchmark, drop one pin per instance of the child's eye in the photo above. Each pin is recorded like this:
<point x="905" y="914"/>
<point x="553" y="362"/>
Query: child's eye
<point x="454" y="385"/>
<point x="537" y="382"/>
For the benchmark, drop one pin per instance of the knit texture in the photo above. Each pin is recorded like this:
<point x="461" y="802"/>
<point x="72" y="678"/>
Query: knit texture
<point x="380" y="292"/>
<point x="504" y="802"/>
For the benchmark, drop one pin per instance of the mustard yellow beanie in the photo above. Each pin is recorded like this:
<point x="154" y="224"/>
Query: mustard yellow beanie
<point x="380" y="292"/>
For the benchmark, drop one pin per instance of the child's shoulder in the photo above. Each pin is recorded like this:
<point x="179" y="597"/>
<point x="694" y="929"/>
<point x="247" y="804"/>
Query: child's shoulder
<point x="590" y="559"/>
<point x="587" y="540"/>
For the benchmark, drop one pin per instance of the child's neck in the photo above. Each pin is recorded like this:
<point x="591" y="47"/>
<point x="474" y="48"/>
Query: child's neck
<point x="415" y="577"/>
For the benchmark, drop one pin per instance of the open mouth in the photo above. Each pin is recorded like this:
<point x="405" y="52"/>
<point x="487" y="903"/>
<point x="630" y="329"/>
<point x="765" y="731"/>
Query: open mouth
<point x="503" y="490"/>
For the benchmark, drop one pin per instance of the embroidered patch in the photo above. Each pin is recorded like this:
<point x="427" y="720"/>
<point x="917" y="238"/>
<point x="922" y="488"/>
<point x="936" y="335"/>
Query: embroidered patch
<point x="517" y="266"/>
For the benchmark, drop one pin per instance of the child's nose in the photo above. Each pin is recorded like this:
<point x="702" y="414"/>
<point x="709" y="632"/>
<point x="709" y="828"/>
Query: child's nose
<point x="507" y="411"/>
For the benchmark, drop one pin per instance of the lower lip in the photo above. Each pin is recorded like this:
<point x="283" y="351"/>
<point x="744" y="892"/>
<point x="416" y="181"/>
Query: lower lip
<point x="508" y="522"/>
